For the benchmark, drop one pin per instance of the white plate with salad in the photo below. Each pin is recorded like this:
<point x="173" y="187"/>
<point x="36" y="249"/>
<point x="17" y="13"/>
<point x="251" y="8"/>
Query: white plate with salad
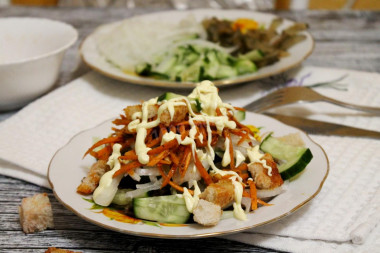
<point x="187" y="166"/>
<point x="177" y="49"/>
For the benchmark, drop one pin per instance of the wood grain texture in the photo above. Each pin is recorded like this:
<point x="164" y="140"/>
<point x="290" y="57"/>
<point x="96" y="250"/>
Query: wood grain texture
<point x="343" y="40"/>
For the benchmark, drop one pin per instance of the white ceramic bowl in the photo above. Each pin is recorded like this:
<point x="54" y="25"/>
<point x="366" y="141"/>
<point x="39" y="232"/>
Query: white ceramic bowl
<point x="31" y="52"/>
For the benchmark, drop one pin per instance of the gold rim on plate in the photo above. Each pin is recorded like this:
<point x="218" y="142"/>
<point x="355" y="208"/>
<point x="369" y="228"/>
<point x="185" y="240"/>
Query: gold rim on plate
<point x="200" y="235"/>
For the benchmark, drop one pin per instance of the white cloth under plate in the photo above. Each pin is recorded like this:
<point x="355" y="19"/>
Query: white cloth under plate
<point x="343" y="215"/>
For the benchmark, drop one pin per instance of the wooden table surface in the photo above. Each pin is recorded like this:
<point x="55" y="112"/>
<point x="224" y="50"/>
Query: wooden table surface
<point x="343" y="40"/>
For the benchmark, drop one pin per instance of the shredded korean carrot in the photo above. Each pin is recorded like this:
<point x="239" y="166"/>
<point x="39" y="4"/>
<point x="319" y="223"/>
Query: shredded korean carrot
<point x="182" y="130"/>
<point x="154" y="142"/>
<point x="126" y="168"/>
<point x="253" y="194"/>
<point x="242" y="167"/>
<point x="239" y="108"/>
<point x="241" y="126"/>
<point x="112" y="139"/>
<point x="156" y="159"/>
<point x="263" y="202"/>
<point x="104" y="153"/>
<point x="244" y="176"/>
<point x="246" y="194"/>
<point x="173" y="169"/>
<point x="170" y="144"/>
<point x="130" y="155"/>
<point x="165" y="162"/>
<point x="185" y="161"/>
<point x="163" y="130"/>
<point x="122" y="121"/>
<point x="171" y="183"/>
<point x="174" y="158"/>
<point x="202" y="170"/>
<point x="128" y="142"/>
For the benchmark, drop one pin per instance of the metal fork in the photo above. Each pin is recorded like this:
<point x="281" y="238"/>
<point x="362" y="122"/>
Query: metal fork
<point x="300" y="94"/>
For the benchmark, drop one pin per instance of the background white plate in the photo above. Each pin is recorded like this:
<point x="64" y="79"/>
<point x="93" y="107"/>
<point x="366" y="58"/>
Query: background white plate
<point x="298" y="52"/>
<point x="67" y="168"/>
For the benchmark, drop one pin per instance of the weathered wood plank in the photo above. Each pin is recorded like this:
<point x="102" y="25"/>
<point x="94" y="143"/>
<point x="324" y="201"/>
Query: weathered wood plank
<point x="109" y="240"/>
<point x="10" y="222"/>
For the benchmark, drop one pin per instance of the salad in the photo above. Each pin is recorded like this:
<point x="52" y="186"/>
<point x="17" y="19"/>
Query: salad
<point x="182" y="159"/>
<point x="192" y="51"/>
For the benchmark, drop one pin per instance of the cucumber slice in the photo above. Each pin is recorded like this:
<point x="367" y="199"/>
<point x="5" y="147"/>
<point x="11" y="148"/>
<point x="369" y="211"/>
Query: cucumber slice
<point x="120" y="198"/>
<point x="168" y="96"/>
<point x="245" y="66"/>
<point x="195" y="103"/>
<point x="168" y="209"/>
<point x="225" y="71"/>
<point x="143" y="69"/>
<point x="295" y="158"/>
<point x="254" y="55"/>
<point x="239" y="115"/>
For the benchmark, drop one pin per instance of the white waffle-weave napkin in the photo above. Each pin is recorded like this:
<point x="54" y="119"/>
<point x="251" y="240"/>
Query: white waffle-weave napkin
<point x="344" y="213"/>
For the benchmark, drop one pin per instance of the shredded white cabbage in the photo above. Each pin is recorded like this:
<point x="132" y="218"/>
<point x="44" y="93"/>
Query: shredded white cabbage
<point x="136" y="40"/>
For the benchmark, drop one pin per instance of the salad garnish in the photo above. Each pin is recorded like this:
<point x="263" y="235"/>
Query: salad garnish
<point x="177" y="158"/>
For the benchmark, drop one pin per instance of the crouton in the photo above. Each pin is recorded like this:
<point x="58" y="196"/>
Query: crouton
<point x="89" y="183"/>
<point x="57" y="250"/>
<point x="130" y="110"/>
<point x="36" y="213"/>
<point x="207" y="213"/>
<point x="180" y="112"/>
<point x="260" y="174"/>
<point x="220" y="193"/>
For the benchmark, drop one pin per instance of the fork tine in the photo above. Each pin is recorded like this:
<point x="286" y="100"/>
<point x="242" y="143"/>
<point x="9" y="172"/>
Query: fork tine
<point x="265" y="102"/>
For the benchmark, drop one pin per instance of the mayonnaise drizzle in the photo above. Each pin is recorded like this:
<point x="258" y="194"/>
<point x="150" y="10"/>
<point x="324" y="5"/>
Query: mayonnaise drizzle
<point x="239" y="157"/>
<point x="255" y="157"/>
<point x="207" y="93"/>
<point x="191" y="201"/>
<point x="187" y="141"/>
<point x="238" y="210"/>
<point x="104" y="193"/>
<point x="238" y="188"/>
<point x="226" y="157"/>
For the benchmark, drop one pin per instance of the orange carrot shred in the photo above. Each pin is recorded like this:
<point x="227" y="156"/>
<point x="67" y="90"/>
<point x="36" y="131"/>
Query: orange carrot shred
<point x="154" y="160"/>
<point x="153" y="143"/>
<point x="126" y="168"/>
<point x="253" y="194"/>
<point x="174" y="158"/>
<point x="202" y="170"/>
<point x="182" y="130"/>
<point x="112" y="139"/>
<point x="104" y="153"/>
<point x="130" y="155"/>
<point x="263" y="202"/>
<point x="239" y="108"/>
<point x="173" y="169"/>
<point x="168" y="145"/>
<point x="185" y="161"/>
<point x="171" y="183"/>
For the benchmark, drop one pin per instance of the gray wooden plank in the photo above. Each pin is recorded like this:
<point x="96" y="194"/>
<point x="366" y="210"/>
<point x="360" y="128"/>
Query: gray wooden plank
<point x="109" y="240"/>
